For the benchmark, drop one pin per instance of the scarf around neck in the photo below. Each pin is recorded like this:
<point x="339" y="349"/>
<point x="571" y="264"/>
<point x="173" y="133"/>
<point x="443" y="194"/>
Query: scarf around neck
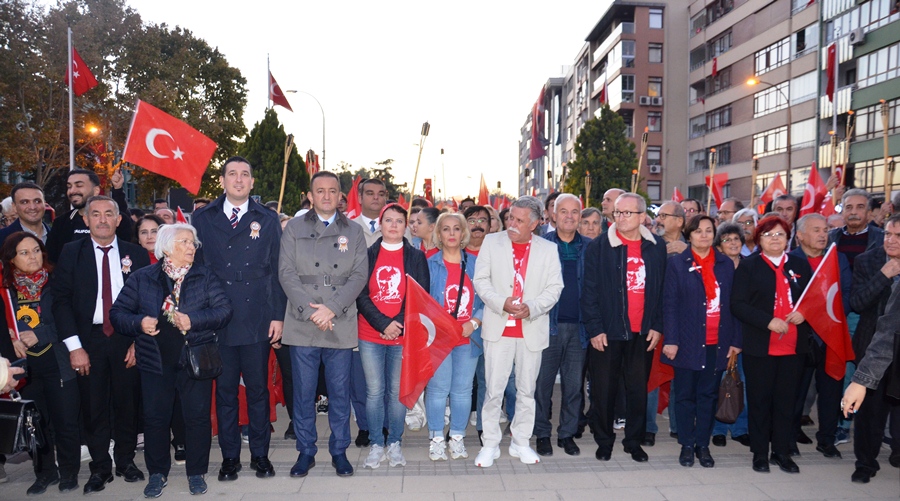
<point x="707" y="272"/>
<point x="29" y="285"/>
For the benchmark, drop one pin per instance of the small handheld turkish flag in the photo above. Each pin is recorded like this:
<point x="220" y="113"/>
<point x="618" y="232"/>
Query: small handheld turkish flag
<point x="814" y="193"/>
<point x="179" y="217"/>
<point x="716" y="185"/>
<point x="81" y="75"/>
<point x="484" y="196"/>
<point x="354" y="208"/>
<point x="275" y="94"/>
<point x="774" y="190"/>
<point x="167" y="146"/>
<point x="429" y="334"/>
<point x="676" y="195"/>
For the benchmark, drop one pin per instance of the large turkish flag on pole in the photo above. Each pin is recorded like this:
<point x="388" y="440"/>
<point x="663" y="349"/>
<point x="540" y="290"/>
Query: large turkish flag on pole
<point x="82" y="77"/>
<point x="484" y="196"/>
<point x="716" y="184"/>
<point x="429" y="334"/>
<point x="774" y="190"/>
<point x="167" y="146"/>
<point x="275" y="94"/>
<point x="823" y="295"/>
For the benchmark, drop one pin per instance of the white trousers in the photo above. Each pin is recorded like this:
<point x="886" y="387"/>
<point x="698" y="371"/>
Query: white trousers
<point x="498" y="363"/>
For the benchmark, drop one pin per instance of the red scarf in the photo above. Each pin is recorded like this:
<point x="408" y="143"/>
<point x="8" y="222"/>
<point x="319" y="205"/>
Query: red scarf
<point x="707" y="272"/>
<point x="782" y="344"/>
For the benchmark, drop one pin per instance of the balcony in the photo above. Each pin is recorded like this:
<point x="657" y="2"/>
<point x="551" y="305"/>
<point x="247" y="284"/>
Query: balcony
<point x="825" y="154"/>
<point x="629" y="131"/>
<point x="604" y="46"/>
<point x="598" y="83"/>
<point x="842" y="100"/>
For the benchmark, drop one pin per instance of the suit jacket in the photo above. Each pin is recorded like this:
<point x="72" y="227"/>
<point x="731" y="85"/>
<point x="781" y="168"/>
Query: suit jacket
<point x="17" y="226"/>
<point x="367" y="231"/>
<point x="69" y="226"/>
<point x="493" y="281"/>
<point x="869" y="296"/>
<point x="247" y="267"/>
<point x="75" y="285"/>
<point x="875" y="237"/>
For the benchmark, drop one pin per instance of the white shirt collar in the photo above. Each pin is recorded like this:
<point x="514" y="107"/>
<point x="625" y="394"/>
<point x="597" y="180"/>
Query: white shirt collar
<point x="368" y="222"/>
<point x="228" y="207"/>
<point x="114" y="244"/>
<point x="329" y="220"/>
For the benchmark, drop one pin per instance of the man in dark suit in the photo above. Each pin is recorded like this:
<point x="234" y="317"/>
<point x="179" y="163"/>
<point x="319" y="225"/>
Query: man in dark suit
<point x="241" y="242"/>
<point x="29" y="201"/>
<point x="88" y="278"/>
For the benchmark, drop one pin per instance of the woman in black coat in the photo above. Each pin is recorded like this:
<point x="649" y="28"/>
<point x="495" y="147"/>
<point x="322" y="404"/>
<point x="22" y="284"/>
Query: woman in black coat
<point x="767" y="285"/>
<point x="166" y="307"/>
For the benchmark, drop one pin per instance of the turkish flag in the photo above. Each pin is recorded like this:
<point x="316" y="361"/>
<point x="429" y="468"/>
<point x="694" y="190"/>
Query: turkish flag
<point x="827" y="208"/>
<point x="428" y="190"/>
<point x="814" y="194"/>
<point x="676" y="195"/>
<point x="831" y="71"/>
<point x="715" y="68"/>
<point x="275" y="94"/>
<point x="81" y="75"/>
<point x="401" y="201"/>
<point x="167" y="146"/>
<point x="455" y="205"/>
<point x="429" y="334"/>
<point x="537" y="129"/>
<point x="484" y="196"/>
<point x="354" y="208"/>
<point x="775" y="189"/>
<point x="179" y="217"/>
<point x="716" y="185"/>
<point x="823" y="295"/>
<point x="604" y="94"/>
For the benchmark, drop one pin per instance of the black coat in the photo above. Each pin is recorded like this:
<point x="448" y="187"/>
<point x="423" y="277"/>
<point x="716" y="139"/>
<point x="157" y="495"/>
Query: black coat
<point x="202" y="299"/>
<point x="414" y="265"/>
<point x="247" y="267"/>
<point x="45" y="331"/>
<point x="17" y="226"/>
<point x="69" y="226"/>
<point x="869" y="296"/>
<point x="753" y="301"/>
<point x="75" y="285"/>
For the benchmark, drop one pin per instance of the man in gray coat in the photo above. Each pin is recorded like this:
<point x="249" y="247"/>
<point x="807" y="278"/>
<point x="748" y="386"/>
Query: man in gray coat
<point x="323" y="267"/>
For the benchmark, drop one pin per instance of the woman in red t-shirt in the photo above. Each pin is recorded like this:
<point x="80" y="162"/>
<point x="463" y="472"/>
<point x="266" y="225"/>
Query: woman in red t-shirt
<point x="424" y="229"/>
<point x="380" y="306"/>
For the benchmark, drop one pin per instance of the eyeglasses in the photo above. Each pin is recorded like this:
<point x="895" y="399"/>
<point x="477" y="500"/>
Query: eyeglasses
<point x="480" y="220"/>
<point x="731" y="240"/>
<point x="691" y="211"/>
<point x="624" y="213"/>
<point x="748" y="222"/>
<point x="185" y="241"/>
<point x="662" y="216"/>
<point x="777" y="234"/>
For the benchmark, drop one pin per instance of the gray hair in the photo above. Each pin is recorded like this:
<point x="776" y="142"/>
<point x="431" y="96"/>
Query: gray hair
<point x="857" y="192"/>
<point x="165" y="238"/>
<point x="590" y="211"/>
<point x="102" y="198"/>
<point x="563" y="197"/>
<point x="782" y="198"/>
<point x="726" y="229"/>
<point x="679" y="210"/>
<point x="6" y="204"/>
<point x="803" y="221"/>
<point x="532" y="204"/>
<point x="745" y="212"/>
<point x="642" y="204"/>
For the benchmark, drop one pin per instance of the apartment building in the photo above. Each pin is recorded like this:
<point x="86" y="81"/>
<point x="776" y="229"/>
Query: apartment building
<point x="537" y="173"/>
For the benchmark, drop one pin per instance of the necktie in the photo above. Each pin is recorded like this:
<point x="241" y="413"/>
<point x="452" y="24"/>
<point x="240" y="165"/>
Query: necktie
<point x="372" y="224"/>
<point x="325" y="223"/>
<point x="106" y="291"/>
<point x="234" y="218"/>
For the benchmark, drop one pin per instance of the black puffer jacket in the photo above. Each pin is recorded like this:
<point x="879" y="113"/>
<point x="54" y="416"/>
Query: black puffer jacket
<point x="414" y="265"/>
<point x="203" y="300"/>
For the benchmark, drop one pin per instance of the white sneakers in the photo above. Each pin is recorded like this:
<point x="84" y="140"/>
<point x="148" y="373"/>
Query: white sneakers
<point x="395" y="455"/>
<point x="437" y="449"/>
<point x="525" y="454"/>
<point x="486" y="457"/>
<point x="458" y="448"/>
<point x="375" y="457"/>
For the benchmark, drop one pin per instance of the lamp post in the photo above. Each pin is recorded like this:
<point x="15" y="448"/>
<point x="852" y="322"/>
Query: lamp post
<point x="323" y="119"/>
<point x="755" y="81"/>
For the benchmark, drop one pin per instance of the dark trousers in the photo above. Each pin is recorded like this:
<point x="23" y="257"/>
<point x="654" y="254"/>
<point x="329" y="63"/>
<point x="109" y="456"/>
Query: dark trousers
<point x="358" y="391"/>
<point x="159" y="392"/>
<point x="566" y="356"/>
<point x="771" y="394"/>
<point x="869" y="427"/>
<point x="283" y="355"/>
<point x="828" y="403"/>
<point x="631" y="360"/>
<point x="109" y="386"/>
<point x="696" y="394"/>
<point x="178" y="423"/>
<point x="250" y="361"/>
<point x="307" y="361"/>
<point x="58" y="403"/>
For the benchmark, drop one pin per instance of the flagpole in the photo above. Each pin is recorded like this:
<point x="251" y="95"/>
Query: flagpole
<point x="426" y="127"/>
<point x="888" y="171"/>
<point x="288" y="147"/>
<point x="71" y="112"/>
<point x="712" y="178"/>
<point x="754" y="171"/>
<point x="268" y="84"/>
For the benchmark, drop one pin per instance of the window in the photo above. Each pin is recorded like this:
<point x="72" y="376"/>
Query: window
<point x="868" y="176"/>
<point x="868" y="121"/>
<point x="654" y="190"/>
<point x="698" y="22"/>
<point x="627" y="88"/>
<point x="803" y="134"/>
<point x="628" y="117"/>
<point x="656" y="18"/>
<point x="698" y="126"/>
<point x="698" y="91"/>
<point x="723" y="154"/>
<point x="718" y="118"/>
<point x="721" y="82"/>
<point x="804" y="88"/>
<point x="770" y="100"/>
<point x="698" y="57"/>
<point x="878" y="66"/>
<point x="770" y="142"/>
<point x="869" y="16"/>
<point x="805" y="40"/>
<point x="699" y="160"/>
<point x="654" y="155"/>
<point x="656" y="53"/>
<point x="654" y="121"/>
<point x="719" y="46"/>
<point x="773" y="56"/>
<point x="628" y="53"/>
<point x="654" y="87"/>
<point x="718" y="9"/>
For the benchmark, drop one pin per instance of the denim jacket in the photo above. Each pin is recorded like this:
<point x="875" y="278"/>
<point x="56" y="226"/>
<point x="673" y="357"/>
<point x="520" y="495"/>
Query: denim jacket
<point x="582" y="242"/>
<point x="438" y="281"/>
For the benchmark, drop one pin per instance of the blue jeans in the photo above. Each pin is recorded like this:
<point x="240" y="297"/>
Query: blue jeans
<point x="509" y="394"/>
<point x="653" y="405"/>
<point x="454" y="378"/>
<point x="565" y="356"/>
<point x="739" y="428"/>
<point x="381" y="364"/>
<point x="358" y="391"/>
<point x="306" y="361"/>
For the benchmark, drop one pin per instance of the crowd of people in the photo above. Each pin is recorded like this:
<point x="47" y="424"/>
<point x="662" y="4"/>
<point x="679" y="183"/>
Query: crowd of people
<point x="111" y="312"/>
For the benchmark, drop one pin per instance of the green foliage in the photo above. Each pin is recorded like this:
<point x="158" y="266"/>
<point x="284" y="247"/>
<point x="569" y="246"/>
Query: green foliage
<point x="603" y="150"/>
<point x="264" y="148"/>
<point x="346" y="173"/>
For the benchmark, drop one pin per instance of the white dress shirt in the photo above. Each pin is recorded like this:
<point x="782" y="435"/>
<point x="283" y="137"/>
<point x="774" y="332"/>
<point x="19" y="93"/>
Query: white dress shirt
<point x="116" y="280"/>
<point x="228" y="207"/>
<point x="368" y="224"/>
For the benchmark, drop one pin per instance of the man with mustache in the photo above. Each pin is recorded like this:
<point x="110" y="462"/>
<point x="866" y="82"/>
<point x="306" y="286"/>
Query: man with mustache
<point x="81" y="185"/>
<point x="857" y="235"/>
<point x="479" y="220"/>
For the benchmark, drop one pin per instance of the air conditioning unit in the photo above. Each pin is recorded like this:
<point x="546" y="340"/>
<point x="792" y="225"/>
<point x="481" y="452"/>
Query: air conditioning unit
<point x="655" y="169"/>
<point x="857" y="37"/>
<point x="656" y="101"/>
<point x="644" y="101"/>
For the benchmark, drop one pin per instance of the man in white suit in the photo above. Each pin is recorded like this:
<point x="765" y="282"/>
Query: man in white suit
<point x="520" y="280"/>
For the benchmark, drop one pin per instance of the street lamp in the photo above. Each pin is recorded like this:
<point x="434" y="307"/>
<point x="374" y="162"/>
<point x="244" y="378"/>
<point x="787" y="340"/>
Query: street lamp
<point x="323" y="119"/>
<point x="755" y="81"/>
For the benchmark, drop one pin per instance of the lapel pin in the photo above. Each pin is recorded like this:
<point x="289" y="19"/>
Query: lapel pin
<point x="254" y="230"/>
<point x="126" y="264"/>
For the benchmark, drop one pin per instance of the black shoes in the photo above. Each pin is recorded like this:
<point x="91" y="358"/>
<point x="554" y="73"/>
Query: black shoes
<point x="97" y="482"/>
<point x="806" y="421"/>
<point x="543" y="447"/>
<point x="569" y="446"/>
<point x="742" y="439"/>
<point x="289" y="433"/>
<point x="719" y="440"/>
<point x="649" y="439"/>
<point x="829" y="450"/>
<point x="803" y="438"/>
<point x="229" y="470"/>
<point x="342" y="466"/>
<point x="302" y="466"/>
<point x="686" y="458"/>
<point x="180" y="455"/>
<point x="705" y="458"/>
<point x="131" y="473"/>
<point x="68" y="484"/>
<point x="604" y="453"/>
<point x="862" y="475"/>
<point x="362" y="438"/>
<point x="760" y="463"/>
<point x="41" y="483"/>
<point x="263" y="467"/>
<point x="637" y="454"/>
<point x="784" y="462"/>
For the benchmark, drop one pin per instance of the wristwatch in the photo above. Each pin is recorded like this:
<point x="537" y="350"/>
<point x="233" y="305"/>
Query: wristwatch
<point x="474" y="324"/>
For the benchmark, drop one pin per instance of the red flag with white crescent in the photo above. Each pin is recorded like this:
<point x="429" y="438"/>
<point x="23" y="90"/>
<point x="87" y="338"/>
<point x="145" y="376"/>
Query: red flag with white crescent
<point x="814" y="193"/>
<point x="823" y="295"/>
<point x="773" y="191"/>
<point x="82" y="77"/>
<point x="676" y="195"/>
<point x="484" y="196"/>
<point x="354" y="208"/>
<point x="716" y="184"/>
<point x="831" y="71"/>
<point x="429" y="335"/>
<point x="179" y="217"/>
<point x="276" y="95"/>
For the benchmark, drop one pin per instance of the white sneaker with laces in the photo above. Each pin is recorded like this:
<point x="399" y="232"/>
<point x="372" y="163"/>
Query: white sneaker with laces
<point x="395" y="455"/>
<point x="458" y="448"/>
<point x="375" y="457"/>
<point x="525" y="454"/>
<point x="486" y="457"/>
<point x="473" y="418"/>
<point x="437" y="450"/>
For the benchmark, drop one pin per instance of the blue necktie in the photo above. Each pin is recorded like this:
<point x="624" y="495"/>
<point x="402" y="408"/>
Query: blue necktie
<point x="234" y="218"/>
<point x="372" y="224"/>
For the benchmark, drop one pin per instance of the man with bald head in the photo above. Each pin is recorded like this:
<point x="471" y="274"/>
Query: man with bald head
<point x="607" y="206"/>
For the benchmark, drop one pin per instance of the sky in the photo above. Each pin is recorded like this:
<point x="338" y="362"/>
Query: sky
<point x="472" y="69"/>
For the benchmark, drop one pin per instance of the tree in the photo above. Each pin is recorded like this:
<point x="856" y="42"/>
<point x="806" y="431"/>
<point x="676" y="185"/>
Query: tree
<point x="264" y="148"/>
<point x="603" y="150"/>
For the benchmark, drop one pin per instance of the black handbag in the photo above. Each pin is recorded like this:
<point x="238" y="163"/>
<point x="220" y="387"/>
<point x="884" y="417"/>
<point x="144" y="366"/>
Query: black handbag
<point x="20" y="426"/>
<point x="731" y="394"/>
<point x="202" y="361"/>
